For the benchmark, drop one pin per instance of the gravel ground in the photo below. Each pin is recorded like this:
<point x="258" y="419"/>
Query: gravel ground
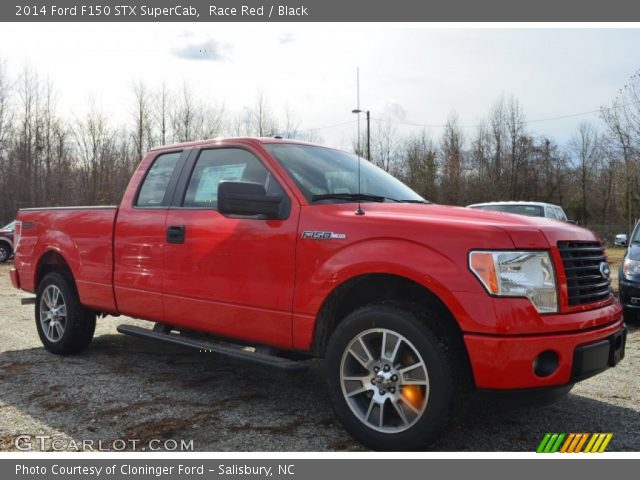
<point x="124" y="388"/>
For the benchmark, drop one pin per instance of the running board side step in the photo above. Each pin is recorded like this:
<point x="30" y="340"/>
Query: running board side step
<point x="224" y="350"/>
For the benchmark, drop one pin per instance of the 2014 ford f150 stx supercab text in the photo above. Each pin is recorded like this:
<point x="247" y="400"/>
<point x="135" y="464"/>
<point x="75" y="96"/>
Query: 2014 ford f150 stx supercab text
<point x="303" y="251"/>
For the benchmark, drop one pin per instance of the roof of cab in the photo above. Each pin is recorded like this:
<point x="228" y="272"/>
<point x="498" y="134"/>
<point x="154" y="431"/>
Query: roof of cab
<point x="219" y="141"/>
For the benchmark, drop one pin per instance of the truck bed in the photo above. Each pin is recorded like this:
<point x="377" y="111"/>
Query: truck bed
<point x="85" y="234"/>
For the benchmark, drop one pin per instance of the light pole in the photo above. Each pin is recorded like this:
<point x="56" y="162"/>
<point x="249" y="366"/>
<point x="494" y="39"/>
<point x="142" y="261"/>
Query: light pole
<point x="358" y="111"/>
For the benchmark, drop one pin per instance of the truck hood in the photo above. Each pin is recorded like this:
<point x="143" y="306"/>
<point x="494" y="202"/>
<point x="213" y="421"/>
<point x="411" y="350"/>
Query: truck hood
<point x="525" y="232"/>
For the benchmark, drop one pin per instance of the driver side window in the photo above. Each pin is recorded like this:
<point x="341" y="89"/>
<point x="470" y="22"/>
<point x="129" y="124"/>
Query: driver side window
<point x="225" y="164"/>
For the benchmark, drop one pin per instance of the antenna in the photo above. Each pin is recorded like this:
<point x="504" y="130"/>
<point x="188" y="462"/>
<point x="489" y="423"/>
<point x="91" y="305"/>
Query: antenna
<point x="359" y="211"/>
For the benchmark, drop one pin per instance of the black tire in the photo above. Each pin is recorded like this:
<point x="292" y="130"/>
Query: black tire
<point x="445" y="372"/>
<point x="5" y="252"/>
<point x="80" y="322"/>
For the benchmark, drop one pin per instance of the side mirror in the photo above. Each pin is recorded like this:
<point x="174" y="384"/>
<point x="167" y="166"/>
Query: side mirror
<point x="572" y="222"/>
<point x="247" y="199"/>
<point x="621" y="240"/>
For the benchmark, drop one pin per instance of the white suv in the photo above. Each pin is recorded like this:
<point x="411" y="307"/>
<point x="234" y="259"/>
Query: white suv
<point x="532" y="209"/>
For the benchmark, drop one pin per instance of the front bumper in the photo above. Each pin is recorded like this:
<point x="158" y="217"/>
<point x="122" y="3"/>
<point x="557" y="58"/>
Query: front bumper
<point x="515" y="362"/>
<point x="15" y="278"/>
<point x="630" y="294"/>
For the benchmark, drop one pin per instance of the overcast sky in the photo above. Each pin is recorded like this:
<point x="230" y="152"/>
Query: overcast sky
<point x="416" y="75"/>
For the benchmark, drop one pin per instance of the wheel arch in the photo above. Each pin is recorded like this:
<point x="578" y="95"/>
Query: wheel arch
<point x="52" y="261"/>
<point x="388" y="288"/>
<point x="7" y="241"/>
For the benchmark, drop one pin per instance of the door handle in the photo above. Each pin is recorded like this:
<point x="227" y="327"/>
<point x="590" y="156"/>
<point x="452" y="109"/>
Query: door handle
<point x="176" y="234"/>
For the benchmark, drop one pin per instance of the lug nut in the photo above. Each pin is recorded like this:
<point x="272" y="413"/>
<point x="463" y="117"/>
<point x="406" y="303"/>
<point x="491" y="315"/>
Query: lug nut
<point x="387" y="368"/>
<point x="394" y="378"/>
<point x="381" y="392"/>
<point x="373" y="380"/>
<point x="392" y="390"/>
<point x="376" y="369"/>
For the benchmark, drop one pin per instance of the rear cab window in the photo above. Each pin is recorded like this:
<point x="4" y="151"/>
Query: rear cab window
<point x="153" y="191"/>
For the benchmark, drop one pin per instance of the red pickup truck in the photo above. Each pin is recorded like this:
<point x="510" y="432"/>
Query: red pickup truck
<point x="301" y="251"/>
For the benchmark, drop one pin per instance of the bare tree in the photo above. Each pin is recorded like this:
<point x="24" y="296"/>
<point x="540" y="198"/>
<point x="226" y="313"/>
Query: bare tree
<point x="290" y="124"/>
<point x="518" y="144"/>
<point x="208" y="121"/>
<point x="162" y="112"/>
<point x="497" y="126"/>
<point x="183" y="114"/>
<point x="621" y="136"/>
<point x="385" y="146"/>
<point x="48" y="160"/>
<point x="484" y="176"/>
<point x="420" y="165"/>
<point x="451" y="151"/>
<point x="7" y="183"/>
<point x="262" y="121"/>
<point x="143" y="118"/>
<point x="95" y="142"/>
<point x="586" y="149"/>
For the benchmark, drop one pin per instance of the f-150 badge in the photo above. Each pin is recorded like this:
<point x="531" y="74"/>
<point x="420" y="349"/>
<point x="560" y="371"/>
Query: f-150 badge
<point x="316" y="235"/>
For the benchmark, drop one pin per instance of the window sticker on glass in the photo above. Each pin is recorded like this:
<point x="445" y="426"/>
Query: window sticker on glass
<point x="210" y="178"/>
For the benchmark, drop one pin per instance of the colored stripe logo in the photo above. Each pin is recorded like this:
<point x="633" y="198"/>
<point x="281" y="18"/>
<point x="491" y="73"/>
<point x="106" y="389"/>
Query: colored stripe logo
<point x="574" y="443"/>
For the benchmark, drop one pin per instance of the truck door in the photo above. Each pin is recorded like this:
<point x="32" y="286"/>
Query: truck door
<point x="231" y="276"/>
<point x="139" y="236"/>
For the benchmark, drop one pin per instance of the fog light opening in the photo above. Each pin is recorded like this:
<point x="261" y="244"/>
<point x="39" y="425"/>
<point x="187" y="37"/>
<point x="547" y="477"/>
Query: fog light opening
<point x="546" y="363"/>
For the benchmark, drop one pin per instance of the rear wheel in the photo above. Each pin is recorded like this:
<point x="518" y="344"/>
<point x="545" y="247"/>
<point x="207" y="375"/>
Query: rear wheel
<point x="392" y="380"/>
<point x="64" y="325"/>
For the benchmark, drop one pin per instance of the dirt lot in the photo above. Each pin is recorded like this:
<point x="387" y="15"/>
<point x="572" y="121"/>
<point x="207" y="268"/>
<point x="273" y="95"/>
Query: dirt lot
<point x="123" y="388"/>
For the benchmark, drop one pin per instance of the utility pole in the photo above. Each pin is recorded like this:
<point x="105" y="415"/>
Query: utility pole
<point x="358" y="111"/>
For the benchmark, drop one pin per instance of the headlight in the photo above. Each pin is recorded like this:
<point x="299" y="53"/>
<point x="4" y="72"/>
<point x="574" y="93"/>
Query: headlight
<point x="518" y="274"/>
<point x="631" y="267"/>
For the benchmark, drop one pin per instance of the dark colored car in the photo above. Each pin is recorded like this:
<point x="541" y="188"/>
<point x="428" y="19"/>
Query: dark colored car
<point x="629" y="277"/>
<point x="6" y="242"/>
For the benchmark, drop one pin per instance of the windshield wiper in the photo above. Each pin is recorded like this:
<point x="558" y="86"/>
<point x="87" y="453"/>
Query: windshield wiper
<point x="355" y="197"/>
<point x="364" y="197"/>
<point x="405" y="200"/>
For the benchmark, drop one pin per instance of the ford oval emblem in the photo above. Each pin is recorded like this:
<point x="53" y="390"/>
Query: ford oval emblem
<point x="605" y="270"/>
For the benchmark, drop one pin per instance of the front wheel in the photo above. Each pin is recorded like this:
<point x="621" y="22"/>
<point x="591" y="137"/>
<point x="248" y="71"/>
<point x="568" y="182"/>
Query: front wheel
<point x="63" y="324"/>
<point x="391" y="378"/>
<point x="5" y="252"/>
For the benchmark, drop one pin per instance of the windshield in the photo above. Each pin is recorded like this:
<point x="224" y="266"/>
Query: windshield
<point x="319" y="171"/>
<point x="636" y="234"/>
<point x="530" y="210"/>
<point x="9" y="226"/>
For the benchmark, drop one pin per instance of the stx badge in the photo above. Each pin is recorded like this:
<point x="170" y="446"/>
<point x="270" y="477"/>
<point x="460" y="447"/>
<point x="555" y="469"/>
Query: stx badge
<point x="316" y="235"/>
